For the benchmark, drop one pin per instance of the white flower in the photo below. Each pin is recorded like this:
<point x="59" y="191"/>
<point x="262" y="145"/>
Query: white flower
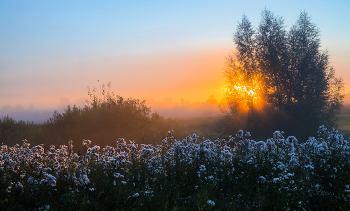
<point x="239" y="134"/>
<point x="202" y="168"/>
<point x="211" y="203"/>
<point x="136" y="195"/>
<point x="260" y="145"/>
<point x="84" y="180"/>
<point x="30" y="180"/>
<point x="275" y="180"/>
<point x="263" y="179"/>
<point x="148" y="192"/>
<point x="117" y="175"/>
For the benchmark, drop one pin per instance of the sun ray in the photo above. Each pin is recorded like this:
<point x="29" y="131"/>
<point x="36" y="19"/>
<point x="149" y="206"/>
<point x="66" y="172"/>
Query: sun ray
<point x="246" y="93"/>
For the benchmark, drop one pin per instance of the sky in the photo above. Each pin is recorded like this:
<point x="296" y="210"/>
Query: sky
<point x="51" y="51"/>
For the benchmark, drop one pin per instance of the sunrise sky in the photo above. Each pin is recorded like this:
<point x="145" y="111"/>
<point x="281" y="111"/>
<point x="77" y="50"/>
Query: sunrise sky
<point x="50" y="51"/>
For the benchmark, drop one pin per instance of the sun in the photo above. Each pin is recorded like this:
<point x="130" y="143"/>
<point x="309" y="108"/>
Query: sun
<point x="246" y="94"/>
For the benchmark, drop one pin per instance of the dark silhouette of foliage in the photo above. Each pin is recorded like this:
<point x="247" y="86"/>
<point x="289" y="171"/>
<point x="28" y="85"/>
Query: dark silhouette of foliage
<point x="104" y="119"/>
<point x="12" y="131"/>
<point x="287" y="80"/>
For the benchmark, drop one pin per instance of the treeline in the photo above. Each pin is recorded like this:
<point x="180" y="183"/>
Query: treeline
<point x="103" y="120"/>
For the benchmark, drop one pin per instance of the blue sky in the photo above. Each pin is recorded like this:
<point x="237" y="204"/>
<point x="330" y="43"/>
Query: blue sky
<point x="50" y="51"/>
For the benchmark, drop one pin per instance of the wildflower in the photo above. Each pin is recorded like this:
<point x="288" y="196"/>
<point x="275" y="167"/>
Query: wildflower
<point x="309" y="167"/>
<point x="262" y="179"/>
<point x="322" y="147"/>
<point x="293" y="162"/>
<point x="275" y="180"/>
<point x="317" y="186"/>
<point x="118" y="175"/>
<point x="84" y="180"/>
<point x="261" y="145"/>
<point x="239" y="134"/>
<point x="347" y="188"/>
<point x="136" y="195"/>
<point x="250" y="161"/>
<point x="30" y="180"/>
<point x="281" y="166"/>
<point x="202" y="168"/>
<point x="19" y="185"/>
<point x="86" y="143"/>
<point x="49" y="180"/>
<point x="211" y="202"/>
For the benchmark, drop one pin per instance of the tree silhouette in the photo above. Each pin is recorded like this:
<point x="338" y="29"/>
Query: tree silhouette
<point x="281" y="80"/>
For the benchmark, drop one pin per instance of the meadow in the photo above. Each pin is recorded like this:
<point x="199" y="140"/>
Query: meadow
<point x="193" y="173"/>
<point x="344" y="125"/>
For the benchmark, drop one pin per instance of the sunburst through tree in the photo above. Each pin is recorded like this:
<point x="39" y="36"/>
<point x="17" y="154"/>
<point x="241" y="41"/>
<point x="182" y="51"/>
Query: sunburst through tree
<point x="244" y="93"/>
<point x="281" y="80"/>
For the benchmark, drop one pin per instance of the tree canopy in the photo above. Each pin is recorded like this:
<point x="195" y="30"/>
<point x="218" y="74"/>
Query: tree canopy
<point x="281" y="80"/>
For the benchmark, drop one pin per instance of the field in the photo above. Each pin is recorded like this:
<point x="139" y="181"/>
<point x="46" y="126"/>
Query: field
<point x="190" y="174"/>
<point x="344" y="125"/>
<point x="203" y="126"/>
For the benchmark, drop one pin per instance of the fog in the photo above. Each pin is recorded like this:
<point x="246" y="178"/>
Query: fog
<point x="166" y="107"/>
<point x="28" y="114"/>
<point x="184" y="109"/>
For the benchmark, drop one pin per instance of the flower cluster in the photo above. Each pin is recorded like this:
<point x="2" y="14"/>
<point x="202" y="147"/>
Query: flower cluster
<point x="318" y="167"/>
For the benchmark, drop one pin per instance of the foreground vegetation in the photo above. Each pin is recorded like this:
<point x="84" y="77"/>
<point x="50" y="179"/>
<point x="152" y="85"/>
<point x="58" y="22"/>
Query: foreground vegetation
<point x="191" y="174"/>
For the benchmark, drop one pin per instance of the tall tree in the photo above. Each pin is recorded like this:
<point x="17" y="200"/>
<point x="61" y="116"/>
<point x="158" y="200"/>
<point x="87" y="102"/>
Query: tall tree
<point x="242" y="75"/>
<point x="272" y="56"/>
<point x="317" y="93"/>
<point x="287" y="71"/>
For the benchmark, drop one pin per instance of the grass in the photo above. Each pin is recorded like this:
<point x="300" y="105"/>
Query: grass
<point x="202" y="126"/>
<point x="344" y="125"/>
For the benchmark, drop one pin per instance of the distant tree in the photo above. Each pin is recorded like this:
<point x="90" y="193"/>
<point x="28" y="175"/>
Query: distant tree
<point x="13" y="132"/>
<point x="105" y="118"/>
<point x="281" y="80"/>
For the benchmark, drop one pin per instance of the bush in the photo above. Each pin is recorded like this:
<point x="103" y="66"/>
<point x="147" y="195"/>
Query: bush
<point x="103" y="119"/>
